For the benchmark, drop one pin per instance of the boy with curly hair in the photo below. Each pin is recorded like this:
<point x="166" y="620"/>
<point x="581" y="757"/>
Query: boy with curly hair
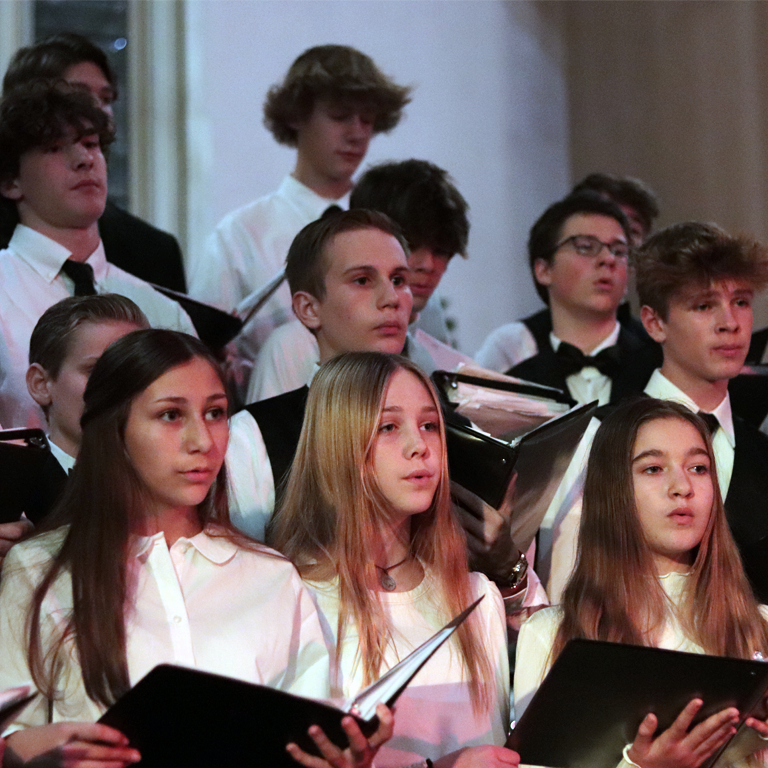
<point x="333" y="100"/>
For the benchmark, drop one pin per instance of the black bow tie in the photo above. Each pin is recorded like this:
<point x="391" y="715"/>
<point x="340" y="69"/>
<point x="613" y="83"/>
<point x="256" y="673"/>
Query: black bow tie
<point x="712" y="423"/>
<point x="571" y="360"/>
<point x="81" y="275"/>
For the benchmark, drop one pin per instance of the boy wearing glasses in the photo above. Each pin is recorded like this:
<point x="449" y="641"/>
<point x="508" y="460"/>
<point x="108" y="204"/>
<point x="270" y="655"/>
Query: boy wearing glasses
<point x="578" y="252"/>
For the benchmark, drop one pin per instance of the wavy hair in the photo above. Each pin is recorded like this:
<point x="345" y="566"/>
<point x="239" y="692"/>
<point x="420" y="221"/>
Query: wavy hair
<point x="333" y="511"/>
<point x="614" y="593"/>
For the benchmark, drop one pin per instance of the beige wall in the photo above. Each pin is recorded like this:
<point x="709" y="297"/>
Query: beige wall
<point x="675" y="93"/>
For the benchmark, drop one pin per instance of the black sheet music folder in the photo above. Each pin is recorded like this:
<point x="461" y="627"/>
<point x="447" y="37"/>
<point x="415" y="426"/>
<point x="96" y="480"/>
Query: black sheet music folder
<point x="597" y="693"/>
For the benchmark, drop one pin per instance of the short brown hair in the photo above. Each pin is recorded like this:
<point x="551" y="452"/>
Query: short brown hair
<point x="338" y="73"/>
<point x="52" y="335"/>
<point x="306" y="265"/>
<point x="695" y="254"/>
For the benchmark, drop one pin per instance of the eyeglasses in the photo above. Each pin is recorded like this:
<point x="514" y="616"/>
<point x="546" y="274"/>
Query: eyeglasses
<point x="590" y="246"/>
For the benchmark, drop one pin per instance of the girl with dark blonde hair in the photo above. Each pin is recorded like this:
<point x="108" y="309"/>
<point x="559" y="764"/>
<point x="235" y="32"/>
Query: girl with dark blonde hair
<point x="367" y="520"/>
<point x="656" y="566"/>
<point x="140" y="565"/>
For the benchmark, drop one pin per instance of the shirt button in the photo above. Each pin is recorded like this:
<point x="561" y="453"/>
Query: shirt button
<point x="177" y="619"/>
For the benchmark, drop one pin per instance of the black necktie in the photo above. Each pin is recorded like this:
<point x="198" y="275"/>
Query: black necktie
<point x="712" y="423"/>
<point x="571" y="360"/>
<point x="81" y="275"/>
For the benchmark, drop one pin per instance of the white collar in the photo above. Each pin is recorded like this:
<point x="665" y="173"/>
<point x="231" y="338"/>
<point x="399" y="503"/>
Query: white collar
<point x="47" y="257"/>
<point x="212" y="546"/>
<point x="67" y="462"/>
<point x="608" y="341"/>
<point x="659" y="386"/>
<point x="307" y="200"/>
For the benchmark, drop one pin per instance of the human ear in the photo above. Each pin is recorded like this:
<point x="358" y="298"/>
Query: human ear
<point x="38" y="384"/>
<point x="11" y="189"/>
<point x="305" y="307"/>
<point x="653" y="323"/>
<point x="542" y="270"/>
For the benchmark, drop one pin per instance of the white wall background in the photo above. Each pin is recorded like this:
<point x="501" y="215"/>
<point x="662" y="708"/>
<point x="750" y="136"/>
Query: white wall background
<point x="489" y="106"/>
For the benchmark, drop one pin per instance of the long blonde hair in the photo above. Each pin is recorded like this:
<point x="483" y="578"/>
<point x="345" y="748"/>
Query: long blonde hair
<point x="614" y="593"/>
<point x="333" y="511"/>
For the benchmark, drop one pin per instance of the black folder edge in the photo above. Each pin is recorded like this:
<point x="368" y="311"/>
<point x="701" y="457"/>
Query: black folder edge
<point x="502" y="456"/>
<point x="214" y="326"/>
<point x="128" y="714"/>
<point x="581" y="665"/>
<point x="448" y="380"/>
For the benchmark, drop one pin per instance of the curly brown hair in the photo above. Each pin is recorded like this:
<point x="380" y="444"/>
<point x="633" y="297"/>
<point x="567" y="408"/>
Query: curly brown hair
<point x="337" y="73"/>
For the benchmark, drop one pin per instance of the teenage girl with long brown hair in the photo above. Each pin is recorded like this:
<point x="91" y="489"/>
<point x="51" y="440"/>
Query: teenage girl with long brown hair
<point x="656" y="566"/>
<point x="140" y="564"/>
<point x="368" y="522"/>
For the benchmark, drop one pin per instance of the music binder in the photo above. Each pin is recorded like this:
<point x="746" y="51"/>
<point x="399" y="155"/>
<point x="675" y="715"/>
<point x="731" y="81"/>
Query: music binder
<point x="484" y="465"/>
<point x="184" y="718"/>
<point x="214" y="326"/>
<point x="597" y="693"/>
<point x="22" y="454"/>
<point x="501" y="405"/>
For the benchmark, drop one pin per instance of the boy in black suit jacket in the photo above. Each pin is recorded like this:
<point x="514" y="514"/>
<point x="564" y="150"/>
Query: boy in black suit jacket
<point x="578" y="251"/>
<point x="696" y="284"/>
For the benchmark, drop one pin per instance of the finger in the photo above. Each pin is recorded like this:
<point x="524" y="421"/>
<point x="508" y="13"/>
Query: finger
<point x="685" y="718"/>
<point x="300" y="756"/>
<point x="509" y="497"/>
<point x="386" y="724"/>
<point x="327" y="748"/>
<point x="466" y="499"/>
<point x="645" y="732"/>
<point x="758" y="725"/>
<point x="358" y="744"/>
<point x="88" y="751"/>
<point x="88" y="732"/>
<point x="708" y="746"/>
<point x="471" y="524"/>
<point x="712" y="725"/>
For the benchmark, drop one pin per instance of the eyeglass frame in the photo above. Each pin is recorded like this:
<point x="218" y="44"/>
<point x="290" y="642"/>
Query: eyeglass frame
<point x="593" y="239"/>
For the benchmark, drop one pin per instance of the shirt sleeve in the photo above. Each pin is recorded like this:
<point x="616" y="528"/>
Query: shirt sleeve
<point x="251" y="483"/>
<point x="506" y="347"/>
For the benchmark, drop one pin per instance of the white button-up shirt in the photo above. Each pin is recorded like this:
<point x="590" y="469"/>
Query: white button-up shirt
<point x="31" y="281"/>
<point x="204" y="602"/>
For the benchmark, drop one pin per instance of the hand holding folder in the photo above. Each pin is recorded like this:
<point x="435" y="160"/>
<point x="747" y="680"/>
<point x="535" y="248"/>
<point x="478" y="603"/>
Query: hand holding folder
<point x="599" y="694"/>
<point x="184" y="718"/>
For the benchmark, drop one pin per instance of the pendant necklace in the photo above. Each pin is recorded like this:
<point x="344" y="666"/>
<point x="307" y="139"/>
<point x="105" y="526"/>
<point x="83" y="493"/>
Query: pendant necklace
<point x="388" y="582"/>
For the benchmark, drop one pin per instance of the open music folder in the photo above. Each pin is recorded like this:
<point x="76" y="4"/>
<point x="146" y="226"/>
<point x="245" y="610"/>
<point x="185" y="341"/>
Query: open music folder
<point x="594" y="698"/>
<point x="184" y="718"/>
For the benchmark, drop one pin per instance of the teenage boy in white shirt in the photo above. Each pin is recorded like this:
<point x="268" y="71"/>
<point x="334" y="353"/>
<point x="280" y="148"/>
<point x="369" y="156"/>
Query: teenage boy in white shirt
<point x="331" y="103"/>
<point x="53" y="183"/>
<point x="423" y="201"/>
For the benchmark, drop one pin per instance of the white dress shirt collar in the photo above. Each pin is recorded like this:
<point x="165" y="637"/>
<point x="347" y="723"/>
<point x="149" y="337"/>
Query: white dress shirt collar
<point x="661" y="387"/>
<point x="47" y="257"/>
<point x="306" y="200"/>
<point x="211" y="545"/>
<point x="67" y="462"/>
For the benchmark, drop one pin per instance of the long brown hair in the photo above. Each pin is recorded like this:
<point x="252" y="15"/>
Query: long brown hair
<point x="333" y="510"/>
<point x="101" y="505"/>
<point x="614" y="593"/>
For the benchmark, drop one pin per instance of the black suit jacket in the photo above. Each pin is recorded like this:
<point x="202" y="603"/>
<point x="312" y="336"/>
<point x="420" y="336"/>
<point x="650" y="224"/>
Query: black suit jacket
<point x="280" y="419"/>
<point x="639" y="359"/>
<point x="141" y="249"/>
